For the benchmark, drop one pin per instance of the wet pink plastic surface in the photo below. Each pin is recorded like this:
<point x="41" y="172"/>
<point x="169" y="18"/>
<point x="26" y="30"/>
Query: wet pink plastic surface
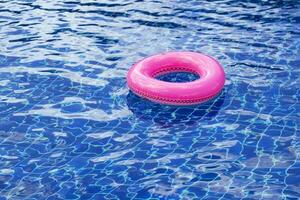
<point x="141" y="78"/>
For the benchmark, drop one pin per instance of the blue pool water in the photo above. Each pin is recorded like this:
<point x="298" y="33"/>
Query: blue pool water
<point x="70" y="128"/>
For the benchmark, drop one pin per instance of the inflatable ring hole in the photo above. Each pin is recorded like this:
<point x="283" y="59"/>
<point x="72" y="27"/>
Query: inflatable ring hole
<point x="176" y="75"/>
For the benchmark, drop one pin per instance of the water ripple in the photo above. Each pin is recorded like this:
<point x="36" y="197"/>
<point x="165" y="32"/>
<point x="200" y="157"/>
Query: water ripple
<point x="70" y="128"/>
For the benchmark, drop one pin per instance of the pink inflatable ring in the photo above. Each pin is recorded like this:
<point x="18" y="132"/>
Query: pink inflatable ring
<point x="141" y="78"/>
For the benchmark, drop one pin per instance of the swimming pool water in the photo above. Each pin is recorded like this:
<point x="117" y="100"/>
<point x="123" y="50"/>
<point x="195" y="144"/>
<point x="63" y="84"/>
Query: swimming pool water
<point x="70" y="129"/>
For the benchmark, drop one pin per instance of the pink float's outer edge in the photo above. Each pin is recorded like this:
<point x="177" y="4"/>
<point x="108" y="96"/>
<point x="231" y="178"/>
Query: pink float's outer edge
<point x="141" y="78"/>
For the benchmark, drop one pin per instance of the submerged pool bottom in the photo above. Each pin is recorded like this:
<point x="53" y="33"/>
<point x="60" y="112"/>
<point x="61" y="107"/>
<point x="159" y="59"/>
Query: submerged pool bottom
<point x="71" y="129"/>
